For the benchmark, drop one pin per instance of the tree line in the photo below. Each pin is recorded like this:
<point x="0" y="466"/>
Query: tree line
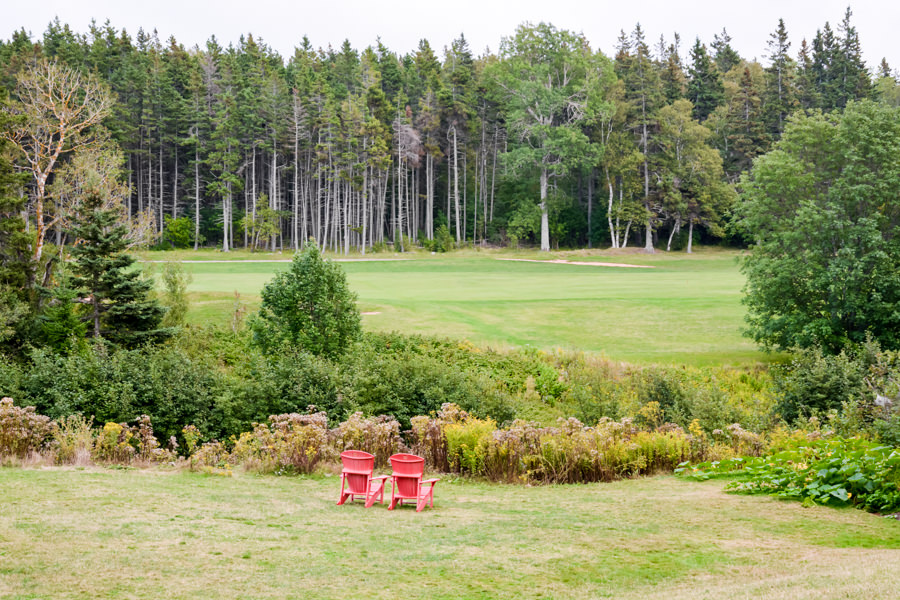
<point x="548" y="141"/>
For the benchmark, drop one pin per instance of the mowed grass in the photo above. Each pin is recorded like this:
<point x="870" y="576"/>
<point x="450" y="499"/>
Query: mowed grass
<point x="98" y="533"/>
<point x="684" y="310"/>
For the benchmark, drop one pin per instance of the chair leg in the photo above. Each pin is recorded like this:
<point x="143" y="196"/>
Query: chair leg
<point x="343" y="497"/>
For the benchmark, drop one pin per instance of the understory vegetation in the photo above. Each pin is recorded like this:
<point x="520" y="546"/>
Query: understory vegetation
<point x="218" y="401"/>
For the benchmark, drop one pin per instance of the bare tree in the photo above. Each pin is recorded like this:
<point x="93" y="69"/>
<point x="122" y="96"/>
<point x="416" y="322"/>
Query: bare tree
<point x="56" y="106"/>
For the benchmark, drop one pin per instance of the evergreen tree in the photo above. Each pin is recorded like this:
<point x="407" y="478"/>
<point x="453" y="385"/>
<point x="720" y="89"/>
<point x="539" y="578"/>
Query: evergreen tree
<point x="808" y="96"/>
<point x="705" y="88"/>
<point x="748" y="135"/>
<point x="726" y="57"/>
<point x="118" y="300"/>
<point x="643" y="98"/>
<point x="780" y="96"/>
<point x="15" y="243"/>
<point x="671" y="71"/>
<point x="851" y="77"/>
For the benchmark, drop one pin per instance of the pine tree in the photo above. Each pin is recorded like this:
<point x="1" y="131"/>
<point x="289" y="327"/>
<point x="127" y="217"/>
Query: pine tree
<point x="780" y="96"/>
<point x="748" y="138"/>
<point x="671" y="71"/>
<point x="119" y="306"/>
<point x="808" y="96"/>
<point x="644" y="98"/>
<point x="15" y="243"/>
<point x="726" y="57"/>
<point x="705" y="88"/>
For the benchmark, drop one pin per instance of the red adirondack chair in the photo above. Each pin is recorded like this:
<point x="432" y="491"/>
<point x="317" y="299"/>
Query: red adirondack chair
<point x="407" y="483"/>
<point x="357" y="480"/>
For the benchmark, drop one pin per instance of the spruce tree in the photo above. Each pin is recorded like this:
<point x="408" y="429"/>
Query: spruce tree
<point x="726" y="57"/>
<point x="780" y="96"/>
<point x="119" y="305"/>
<point x="705" y="88"/>
<point x="808" y="96"/>
<point x="671" y="72"/>
<point x="15" y="244"/>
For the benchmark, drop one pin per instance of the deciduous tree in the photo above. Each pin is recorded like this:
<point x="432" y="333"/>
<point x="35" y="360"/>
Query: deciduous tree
<point x="58" y="105"/>
<point x="823" y="207"/>
<point x="553" y="84"/>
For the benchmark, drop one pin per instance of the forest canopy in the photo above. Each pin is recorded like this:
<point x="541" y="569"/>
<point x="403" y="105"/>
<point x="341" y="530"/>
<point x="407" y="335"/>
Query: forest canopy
<point x="238" y="146"/>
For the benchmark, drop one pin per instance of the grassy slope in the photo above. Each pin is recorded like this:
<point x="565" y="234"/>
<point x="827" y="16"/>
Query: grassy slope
<point x="150" y="534"/>
<point x="685" y="310"/>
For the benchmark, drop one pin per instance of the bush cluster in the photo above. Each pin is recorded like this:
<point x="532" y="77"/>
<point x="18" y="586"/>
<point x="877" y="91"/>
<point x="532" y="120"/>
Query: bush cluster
<point x="219" y="382"/>
<point x="451" y="440"/>
<point x="72" y="440"/>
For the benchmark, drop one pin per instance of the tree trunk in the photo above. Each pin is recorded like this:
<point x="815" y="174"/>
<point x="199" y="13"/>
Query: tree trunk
<point x="613" y="232"/>
<point x="648" y="238"/>
<point x="590" y="199"/>
<point x="545" y="219"/>
<point x="456" y="185"/>
<point x="690" y="236"/>
<point x="196" y="197"/>
<point x="675" y="227"/>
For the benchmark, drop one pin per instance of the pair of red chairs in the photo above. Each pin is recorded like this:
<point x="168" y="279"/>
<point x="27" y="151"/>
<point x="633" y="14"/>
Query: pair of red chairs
<point x="357" y="480"/>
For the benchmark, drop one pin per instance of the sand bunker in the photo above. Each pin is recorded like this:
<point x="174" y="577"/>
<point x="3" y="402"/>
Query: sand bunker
<point x="560" y="261"/>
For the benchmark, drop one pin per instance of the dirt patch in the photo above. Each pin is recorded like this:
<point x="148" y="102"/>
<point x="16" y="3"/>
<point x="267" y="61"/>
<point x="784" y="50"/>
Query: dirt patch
<point x="371" y="312"/>
<point x="560" y="261"/>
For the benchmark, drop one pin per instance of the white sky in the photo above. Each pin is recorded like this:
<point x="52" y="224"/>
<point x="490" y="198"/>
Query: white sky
<point x="281" y="23"/>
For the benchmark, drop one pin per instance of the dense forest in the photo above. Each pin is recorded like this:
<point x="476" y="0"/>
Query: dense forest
<point x="547" y="142"/>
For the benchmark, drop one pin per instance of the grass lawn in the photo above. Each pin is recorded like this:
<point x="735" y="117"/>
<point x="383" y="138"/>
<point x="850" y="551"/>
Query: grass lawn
<point x="684" y="310"/>
<point x="97" y="533"/>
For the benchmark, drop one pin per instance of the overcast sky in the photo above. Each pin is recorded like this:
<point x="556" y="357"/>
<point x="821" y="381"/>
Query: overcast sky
<point x="281" y="23"/>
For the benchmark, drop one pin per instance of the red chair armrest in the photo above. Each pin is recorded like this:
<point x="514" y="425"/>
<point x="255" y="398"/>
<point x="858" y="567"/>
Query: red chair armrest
<point x="431" y="481"/>
<point x="381" y="477"/>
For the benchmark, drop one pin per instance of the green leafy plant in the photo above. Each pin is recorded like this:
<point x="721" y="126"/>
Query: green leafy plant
<point x="309" y="307"/>
<point x="834" y="471"/>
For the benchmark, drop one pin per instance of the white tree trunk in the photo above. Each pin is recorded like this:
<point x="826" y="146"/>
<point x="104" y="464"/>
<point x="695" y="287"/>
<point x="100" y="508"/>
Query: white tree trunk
<point x="545" y="219"/>
<point x="690" y="236"/>
<point x="456" y="186"/>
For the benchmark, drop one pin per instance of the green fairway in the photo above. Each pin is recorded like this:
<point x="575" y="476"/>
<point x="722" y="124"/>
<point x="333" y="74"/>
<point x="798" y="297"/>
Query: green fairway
<point x="685" y="309"/>
<point x="100" y="533"/>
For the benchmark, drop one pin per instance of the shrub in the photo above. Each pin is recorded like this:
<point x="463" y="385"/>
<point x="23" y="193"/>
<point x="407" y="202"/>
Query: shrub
<point x="282" y="384"/>
<point x="120" y="385"/>
<point x="467" y="442"/>
<point x="308" y="307"/>
<point x="379" y="436"/>
<point x="816" y="382"/>
<point x="22" y="430"/>
<point x="442" y="242"/>
<point x="179" y="233"/>
<point x="289" y="443"/>
<point x="405" y="384"/>
<point x="174" y="296"/>
<point x="73" y="440"/>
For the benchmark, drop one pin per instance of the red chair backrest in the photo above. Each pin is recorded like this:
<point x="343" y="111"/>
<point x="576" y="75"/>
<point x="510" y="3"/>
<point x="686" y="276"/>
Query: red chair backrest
<point x="408" y="465"/>
<point x="357" y="460"/>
